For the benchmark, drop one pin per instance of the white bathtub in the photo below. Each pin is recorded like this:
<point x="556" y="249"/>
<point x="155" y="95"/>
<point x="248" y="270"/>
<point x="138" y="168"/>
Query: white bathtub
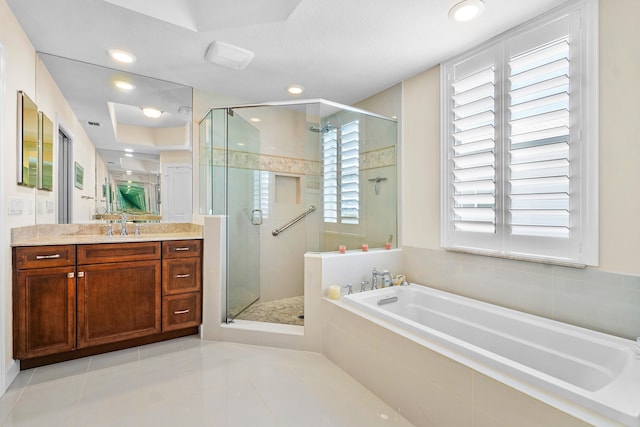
<point x="595" y="371"/>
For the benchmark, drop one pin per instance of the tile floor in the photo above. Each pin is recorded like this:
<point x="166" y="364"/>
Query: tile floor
<point x="189" y="383"/>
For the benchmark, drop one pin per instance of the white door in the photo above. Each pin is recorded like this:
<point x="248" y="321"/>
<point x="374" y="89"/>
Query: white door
<point x="176" y="193"/>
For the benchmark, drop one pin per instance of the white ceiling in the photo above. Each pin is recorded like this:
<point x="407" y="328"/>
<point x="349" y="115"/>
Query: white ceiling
<point x="341" y="50"/>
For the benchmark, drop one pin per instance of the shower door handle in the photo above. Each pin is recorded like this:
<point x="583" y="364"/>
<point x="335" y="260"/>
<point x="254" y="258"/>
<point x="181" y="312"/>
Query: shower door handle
<point x="256" y="217"/>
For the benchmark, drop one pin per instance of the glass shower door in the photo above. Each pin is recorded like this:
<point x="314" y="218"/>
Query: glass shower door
<point x="244" y="218"/>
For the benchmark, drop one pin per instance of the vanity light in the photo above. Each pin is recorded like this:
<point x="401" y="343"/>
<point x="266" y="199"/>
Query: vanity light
<point x="151" y="112"/>
<point x="122" y="56"/>
<point x="295" y="89"/>
<point x="124" y="85"/>
<point x="466" y="10"/>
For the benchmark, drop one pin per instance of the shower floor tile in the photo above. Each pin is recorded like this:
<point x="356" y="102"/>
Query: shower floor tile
<point x="194" y="383"/>
<point x="286" y="311"/>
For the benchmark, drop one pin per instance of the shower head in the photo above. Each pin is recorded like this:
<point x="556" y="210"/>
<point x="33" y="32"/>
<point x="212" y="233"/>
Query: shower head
<point x="328" y="127"/>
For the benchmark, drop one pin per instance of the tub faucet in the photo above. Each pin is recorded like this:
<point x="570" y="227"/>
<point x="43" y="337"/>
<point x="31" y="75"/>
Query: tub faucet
<point x="123" y="222"/>
<point x="374" y="279"/>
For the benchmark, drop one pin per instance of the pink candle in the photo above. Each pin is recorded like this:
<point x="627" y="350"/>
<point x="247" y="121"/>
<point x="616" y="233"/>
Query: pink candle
<point x="365" y="247"/>
<point x="342" y="249"/>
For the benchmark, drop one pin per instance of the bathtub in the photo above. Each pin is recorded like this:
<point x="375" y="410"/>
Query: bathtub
<point x="595" y="371"/>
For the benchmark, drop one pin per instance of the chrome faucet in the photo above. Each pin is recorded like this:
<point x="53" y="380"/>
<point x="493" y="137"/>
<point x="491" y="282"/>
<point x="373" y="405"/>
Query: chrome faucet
<point x="109" y="230"/>
<point x="123" y="223"/>
<point x="363" y="285"/>
<point x="374" y="279"/>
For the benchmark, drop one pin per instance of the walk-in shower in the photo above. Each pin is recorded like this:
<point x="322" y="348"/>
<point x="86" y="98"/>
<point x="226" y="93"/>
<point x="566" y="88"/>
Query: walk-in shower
<point x="291" y="178"/>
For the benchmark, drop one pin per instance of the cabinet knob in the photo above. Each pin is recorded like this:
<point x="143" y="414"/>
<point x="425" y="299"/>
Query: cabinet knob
<point x="80" y="273"/>
<point x="70" y="275"/>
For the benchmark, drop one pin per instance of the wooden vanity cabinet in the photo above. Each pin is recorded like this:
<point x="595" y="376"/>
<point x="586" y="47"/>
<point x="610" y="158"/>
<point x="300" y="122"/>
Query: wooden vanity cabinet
<point x="44" y="300"/>
<point x="72" y="301"/>
<point x="118" y="293"/>
<point x="181" y="284"/>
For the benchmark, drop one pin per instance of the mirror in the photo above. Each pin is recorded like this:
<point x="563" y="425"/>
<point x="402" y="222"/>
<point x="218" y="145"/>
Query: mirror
<point x="27" y="141"/>
<point x="131" y="148"/>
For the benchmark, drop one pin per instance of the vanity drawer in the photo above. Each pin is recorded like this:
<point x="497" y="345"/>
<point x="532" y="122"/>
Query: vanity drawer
<point x="44" y="256"/>
<point x="181" y="311"/>
<point x="118" y="252"/>
<point x="181" y="275"/>
<point x="181" y="248"/>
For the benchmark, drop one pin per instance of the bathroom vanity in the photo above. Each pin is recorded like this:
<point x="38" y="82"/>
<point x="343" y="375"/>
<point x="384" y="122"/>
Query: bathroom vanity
<point x="95" y="294"/>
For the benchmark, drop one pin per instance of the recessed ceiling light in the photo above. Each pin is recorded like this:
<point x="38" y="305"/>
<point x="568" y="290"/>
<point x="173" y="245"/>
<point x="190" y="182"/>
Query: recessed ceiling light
<point x="128" y="155"/>
<point x="151" y="112"/>
<point x="466" y="10"/>
<point x="128" y="172"/>
<point x="255" y="119"/>
<point x="122" y="56"/>
<point x="128" y="150"/>
<point x="124" y="85"/>
<point x="295" y="89"/>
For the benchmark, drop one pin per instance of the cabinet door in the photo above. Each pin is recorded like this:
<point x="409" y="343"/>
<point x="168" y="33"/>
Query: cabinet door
<point x="118" y="301"/>
<point x="44" y="309"/>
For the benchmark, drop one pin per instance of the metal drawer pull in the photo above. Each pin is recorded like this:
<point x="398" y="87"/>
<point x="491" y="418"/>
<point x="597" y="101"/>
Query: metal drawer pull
<point x="182" y="276"/>
<point x="182" y="311"/>
<point x="48" y="256"/>
<point x="181" y="249"/>
<point x="70" y="275"/>
<point x="80" y="273"/>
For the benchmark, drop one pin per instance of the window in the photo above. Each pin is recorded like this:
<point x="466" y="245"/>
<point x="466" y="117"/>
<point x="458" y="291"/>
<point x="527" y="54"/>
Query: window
<point x="519" y="145"/>
<point x="341" y="173"/>
<point x="261" y="192"/>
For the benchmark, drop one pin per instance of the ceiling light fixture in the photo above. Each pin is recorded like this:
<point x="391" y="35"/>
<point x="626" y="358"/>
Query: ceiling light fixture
<point x="255" y="119"/>
<point x="122" y="56"/>
<point x="466" y="10"/>
<point x="151" y="112"/>
<point x="128" y="150"/>
<point x="295" y="89"/>
<point x="124" y="85"/>
<point x="228" y="55"/>
<point x="128" y="155"/>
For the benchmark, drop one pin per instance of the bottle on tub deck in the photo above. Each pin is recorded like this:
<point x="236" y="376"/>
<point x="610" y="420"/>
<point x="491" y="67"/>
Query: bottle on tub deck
<point x="386" y="279"/>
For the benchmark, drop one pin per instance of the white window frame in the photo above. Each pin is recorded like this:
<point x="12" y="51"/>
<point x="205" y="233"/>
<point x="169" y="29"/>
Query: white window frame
<point x="580" y="248"/>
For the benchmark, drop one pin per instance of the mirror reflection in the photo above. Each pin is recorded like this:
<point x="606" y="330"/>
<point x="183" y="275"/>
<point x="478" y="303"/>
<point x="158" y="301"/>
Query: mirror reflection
<point x="141" y="130"/>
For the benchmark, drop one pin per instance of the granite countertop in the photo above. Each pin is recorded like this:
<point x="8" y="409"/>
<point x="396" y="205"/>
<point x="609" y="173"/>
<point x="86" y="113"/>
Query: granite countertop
<point x="71" y="234"/>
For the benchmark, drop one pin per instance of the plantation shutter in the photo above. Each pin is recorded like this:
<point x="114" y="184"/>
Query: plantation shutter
<point x="473" y="152"/>
<point x="330" y="175"/>
<point x="539" y="141"/>
<point x="350" y="173"/>
<point x="520" y="147"/>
